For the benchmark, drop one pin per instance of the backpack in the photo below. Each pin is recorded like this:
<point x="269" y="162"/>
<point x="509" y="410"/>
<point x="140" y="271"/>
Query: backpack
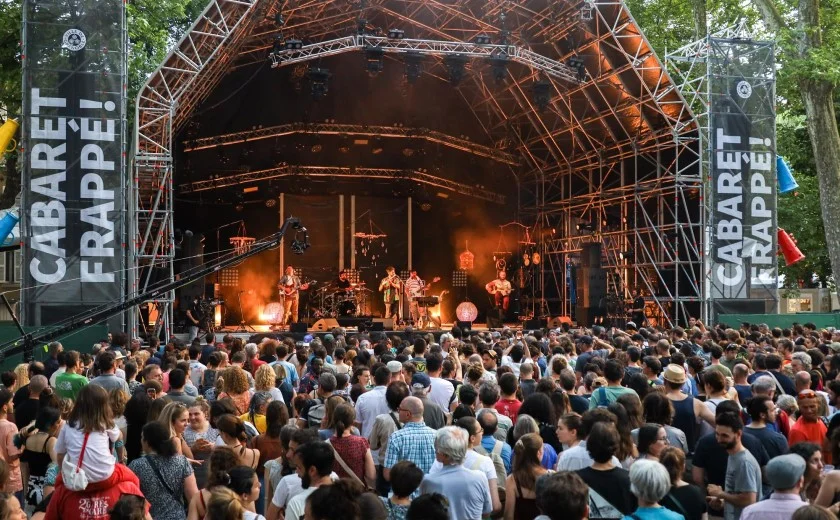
<point x="316" y="413"/>
<point x="496" y="456"/>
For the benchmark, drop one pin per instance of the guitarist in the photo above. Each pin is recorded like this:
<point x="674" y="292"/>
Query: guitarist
<point x="500" y="288"/>
<point x="289" y="287"/>
<point x="390" y="289"/>
<point x="415" y="288"/>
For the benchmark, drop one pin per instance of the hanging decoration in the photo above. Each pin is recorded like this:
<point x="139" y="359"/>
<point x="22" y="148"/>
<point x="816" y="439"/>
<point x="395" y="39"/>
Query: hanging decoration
<point x="372" y="246"/>
<point x="241" y="243"/>
<point x="466" y="260"/>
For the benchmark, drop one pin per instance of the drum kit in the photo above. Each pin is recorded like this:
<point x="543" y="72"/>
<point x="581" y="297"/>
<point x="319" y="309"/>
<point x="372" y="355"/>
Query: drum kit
<point x="336" y="302"/>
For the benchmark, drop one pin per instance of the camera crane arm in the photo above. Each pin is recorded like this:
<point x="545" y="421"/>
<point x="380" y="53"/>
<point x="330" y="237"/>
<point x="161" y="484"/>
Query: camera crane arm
<point x="26" y="343"/>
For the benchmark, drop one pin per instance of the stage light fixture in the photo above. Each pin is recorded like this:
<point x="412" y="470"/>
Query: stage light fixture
<point x="278" y="19"/>
<point x="270" y="203"/>
<point x="585" y="226"/>
<point x="319" y="78"/>
<point x="278" y="45"/>
<point x="482" y="39"/>
<point x="396" y="34"/>
<point x="626" y="255"/>
<point x="498" y="65"/>
<point x="361" y="26"/>
<point x="413" y="65"/>
<point x="293" y="45"/>
<point x="373" y="59"/>
<point x="456" y="65"/>
<point x="579" y="65"/>
<point x="542" y="94"/>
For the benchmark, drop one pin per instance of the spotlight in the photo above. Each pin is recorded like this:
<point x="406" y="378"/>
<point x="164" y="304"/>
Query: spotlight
<point x="396" y="34"/>
<point x="373" y="58"/>
<point x="319" y="77"/>
<point x="278" y="19"/>
<point x="579" y="65"/>
<point x="270" y="203"/>
<point x="425" y="206"/>
<point x="482" y="39"/>
<point x="499" y="66"/>
<point x="456" y="65"/>
<point x="626" y="255"/>
<point x="585" y="226"/>
<point x="542" y="94"/>
<point x="293" y="45"/>
<point x="413" y="65"/>
<point x="239" y="206"/>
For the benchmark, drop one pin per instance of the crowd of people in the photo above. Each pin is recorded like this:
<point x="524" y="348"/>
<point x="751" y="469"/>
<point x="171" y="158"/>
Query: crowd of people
<point x="634" y="423"/>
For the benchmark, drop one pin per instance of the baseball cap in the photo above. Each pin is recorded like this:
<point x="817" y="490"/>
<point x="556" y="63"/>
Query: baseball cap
<point x="784" y="471"/>
<point x="631" y="325"/>
<point x="420" y="380"/>
<point x="307" y="338"/>
<point x="395" y="366"/>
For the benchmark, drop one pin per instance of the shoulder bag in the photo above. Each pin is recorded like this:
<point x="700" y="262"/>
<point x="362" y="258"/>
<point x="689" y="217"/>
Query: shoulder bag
<point x="73" y="475"/>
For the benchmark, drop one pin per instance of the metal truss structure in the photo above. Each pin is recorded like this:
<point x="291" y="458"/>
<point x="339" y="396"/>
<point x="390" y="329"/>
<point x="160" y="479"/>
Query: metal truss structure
<point x="526" y="57"/>
<point x="337" y="172"/>
<point x="431" y="136"/>
<point x="612" y="139"/>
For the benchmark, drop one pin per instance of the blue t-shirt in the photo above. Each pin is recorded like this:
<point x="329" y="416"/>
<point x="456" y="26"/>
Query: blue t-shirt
<point x="653" y="513"/>
<point x="774" y="442"/>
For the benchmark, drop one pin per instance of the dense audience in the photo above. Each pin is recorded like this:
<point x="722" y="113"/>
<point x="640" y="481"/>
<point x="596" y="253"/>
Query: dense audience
<point x="641" y="424"/>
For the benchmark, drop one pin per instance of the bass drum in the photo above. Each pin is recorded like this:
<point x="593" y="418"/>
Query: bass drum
<point x="347" y="308"/>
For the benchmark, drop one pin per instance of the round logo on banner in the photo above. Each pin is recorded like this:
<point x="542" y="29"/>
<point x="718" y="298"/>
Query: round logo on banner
<point x="744" y="89"/>
<point x="74" y="40"/>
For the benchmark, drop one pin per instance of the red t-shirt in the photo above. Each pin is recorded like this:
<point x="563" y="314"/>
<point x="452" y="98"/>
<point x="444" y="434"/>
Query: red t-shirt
<point x="94" y="502"/>
<point x="353" y="450"/>
<point x="509" y="408"/>
<point x="255" y="364"/>
<point x="802" y="431"/>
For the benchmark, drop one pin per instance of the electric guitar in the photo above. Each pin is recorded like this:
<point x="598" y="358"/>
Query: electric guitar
<point x="425" y="288"/>
<point x="289" y="290"/>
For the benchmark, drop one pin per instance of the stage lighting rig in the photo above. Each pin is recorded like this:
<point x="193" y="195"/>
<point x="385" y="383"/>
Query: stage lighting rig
<point x="278" y="19"/>
<point x="482" y="39"/>
<point x="579" y="65"/>
<point x="319" y="79"/>
<point x="542" y="94"/>
<point x="498" y="65"/>
<point x="396" y="34"/>
<point x="293" y="45"/>
<point x="584" y="226"/>
<point x="413" y="65"/>
<point x="279" y="44"/>
<point x="626" y="255"/>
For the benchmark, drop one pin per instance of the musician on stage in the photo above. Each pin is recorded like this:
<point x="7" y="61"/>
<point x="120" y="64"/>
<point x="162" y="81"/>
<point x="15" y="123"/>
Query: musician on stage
<point x="390" y="287"/>
<point x="638" y="310"/>
<point x="289" y="288"/>
<point x="343" y="283"/>
<point x="195" y="316"/>
<point x="500" y="288"/>
<point x="413" y="290"/>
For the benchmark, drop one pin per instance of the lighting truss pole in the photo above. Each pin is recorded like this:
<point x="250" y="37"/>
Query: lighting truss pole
<point x="516" y="54"/>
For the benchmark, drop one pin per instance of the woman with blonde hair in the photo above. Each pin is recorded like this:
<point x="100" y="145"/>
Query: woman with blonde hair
<point x="175" y="416"/>
<point x="521" y="503"/>
<point x="22" y="373"/>
<point x="265" y="380"/>
<point x="224" y="505"/>
<point x="236" y="387"/>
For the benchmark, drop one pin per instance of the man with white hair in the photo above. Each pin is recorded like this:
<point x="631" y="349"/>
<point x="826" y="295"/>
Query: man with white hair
<point x="252" y="355"/>
<point x="800" y="361"/>
<point x="650" y="482"/>
<point x="467" y="490"/>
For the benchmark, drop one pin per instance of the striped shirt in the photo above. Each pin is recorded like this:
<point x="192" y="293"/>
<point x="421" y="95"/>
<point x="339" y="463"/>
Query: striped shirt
<point x="414" y="286"/>
<point x="414" y="442"/>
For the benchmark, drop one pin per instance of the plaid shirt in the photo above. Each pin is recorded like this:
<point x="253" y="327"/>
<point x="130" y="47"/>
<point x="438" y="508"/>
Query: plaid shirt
<point x="415" y="442"/>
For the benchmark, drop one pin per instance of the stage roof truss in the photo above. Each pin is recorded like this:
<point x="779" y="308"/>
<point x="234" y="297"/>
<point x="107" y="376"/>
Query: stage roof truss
<point x="286" y="171"/>
<point x="432" y="136"/>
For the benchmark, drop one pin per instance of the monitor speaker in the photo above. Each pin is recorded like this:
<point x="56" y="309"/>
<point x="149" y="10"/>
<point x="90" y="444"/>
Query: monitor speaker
<point x="464" y="325"/>
<point x="324" y="324"/>
<point x="382" y="324"/>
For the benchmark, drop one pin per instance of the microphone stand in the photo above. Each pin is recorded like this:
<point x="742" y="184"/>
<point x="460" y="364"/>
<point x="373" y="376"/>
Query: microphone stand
<point x="243" y="327"/>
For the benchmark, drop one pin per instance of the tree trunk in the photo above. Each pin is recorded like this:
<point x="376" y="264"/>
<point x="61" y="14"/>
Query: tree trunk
<point x="12" y="188"/>
<point x="698" y="9"/>
<point x="825" y="143"/>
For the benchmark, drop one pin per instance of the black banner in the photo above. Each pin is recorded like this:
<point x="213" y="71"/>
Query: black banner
<point x="743" y="170"/>
<point x="73" y="184"/>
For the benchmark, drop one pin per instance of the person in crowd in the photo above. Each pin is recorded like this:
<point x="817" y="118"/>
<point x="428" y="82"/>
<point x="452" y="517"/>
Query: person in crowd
<point x="433" y="415"/>
<point x="277" y="468"/>
<point x="166" y="478"/>
<point x="246" y="485"/>
<point x="353" y="459"/>
<point x="236" y="388"/>
<point x="813" y="513"/>
<point x="219" y="464"/>
<point x="90" y="427"/>
<point x="175" y="416"/>
<point x="542" y="410"/>
<point x="200" y="437"/>
<point x="786" y="474"/>
<point x="683" y="498"/>
<point x="373" y="403"/>
<point x="256" y="411"/>
<point x="603" y="396"/>
<point x="687" y="409"/>
<point x="565" y="488"/>
<point x="567" y="431"/>
<point x="339" y="501"/>
<point x="107" y="378"/>
<point x="233" y="434"/>
<point x="224" y="504"/>
<point x="315" y="461"/>
<point x="414" y="441"/>
<point x="762" y="412"/>
<point x="442" y="391"/>
<point x="265" y="380"/>
<point x="578" y="457"/>
<point x="177" y="383"/>
<point x="811" y="454"/>
<point x="136" y="413"/>
<point x="478" y="459"/>
<point x="268" y="444"/>
<point x="650" y="482"/>
<point x="488" y="420"/>
<point x="627" y="451"/>
<point x="38" y="448"/>
<point x="526" y="424"/>
<point x="652" y="440"/>
<point x="809" y="427"/>
<point x="488" y="395"/>
<point x="467" y="491"/>
<point x="659" y="409"/>
<point x="521" y="503"/>
<point x="743" y="473"/>
<point x="383" y="426"/>
<point x="27" y="409"/>
<point x="69" y="383"/>
<point x="290" y="483"/>
<point x="609" y="483"/>
<point x="406" y="478"/>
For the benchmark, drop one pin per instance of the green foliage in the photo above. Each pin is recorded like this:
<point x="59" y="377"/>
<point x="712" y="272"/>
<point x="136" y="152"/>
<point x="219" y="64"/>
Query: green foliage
<point x="10" y="77"/>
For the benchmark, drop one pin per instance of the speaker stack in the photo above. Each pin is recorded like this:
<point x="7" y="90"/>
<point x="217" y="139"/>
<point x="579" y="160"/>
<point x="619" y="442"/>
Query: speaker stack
<point x="591" y="282"/>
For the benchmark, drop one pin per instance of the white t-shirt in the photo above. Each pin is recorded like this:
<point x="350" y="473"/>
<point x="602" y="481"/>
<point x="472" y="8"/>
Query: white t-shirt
<point x="474" y="461"/>
<point x="289" y="487"/>
<point x="248" y="515"/>
<point x="441" y="392"/>
<point x="99" y="460"/>
<point x="276" y="395"/>
<point x="297" y="504"/>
